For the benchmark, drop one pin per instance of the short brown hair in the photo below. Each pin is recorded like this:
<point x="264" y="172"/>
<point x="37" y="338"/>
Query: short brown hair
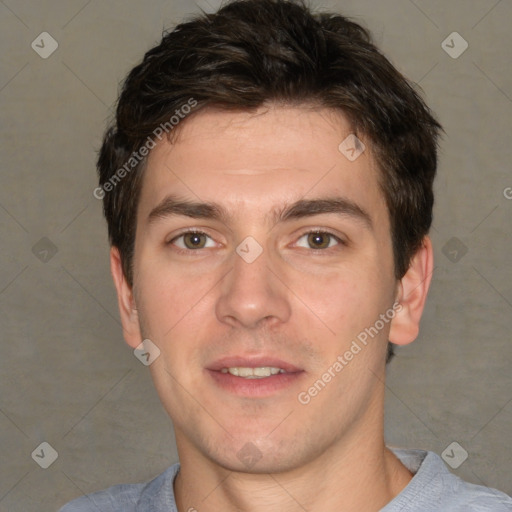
<point x="253" y="52"/>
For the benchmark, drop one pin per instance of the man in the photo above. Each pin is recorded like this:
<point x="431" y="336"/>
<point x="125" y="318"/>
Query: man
<point x="268" y="192"/>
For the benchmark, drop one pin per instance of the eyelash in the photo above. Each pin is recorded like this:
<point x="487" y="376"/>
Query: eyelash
<point x="180" y="250"/>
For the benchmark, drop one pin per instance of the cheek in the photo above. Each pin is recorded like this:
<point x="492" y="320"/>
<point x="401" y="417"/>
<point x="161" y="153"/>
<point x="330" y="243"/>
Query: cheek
<point x="344" y="301"/>
<point x="172" y="311"/>
<point x="334" y="300"/>
<point x="167" y="297"/>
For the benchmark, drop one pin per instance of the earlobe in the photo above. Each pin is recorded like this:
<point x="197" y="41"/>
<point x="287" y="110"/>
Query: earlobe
<point x="126" y="301"/>
<point x="412" y="294"/>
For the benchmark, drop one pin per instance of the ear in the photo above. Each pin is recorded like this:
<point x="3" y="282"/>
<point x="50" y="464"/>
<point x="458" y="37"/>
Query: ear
<point x="412" y="294"/>
<point x="126" y="301"/>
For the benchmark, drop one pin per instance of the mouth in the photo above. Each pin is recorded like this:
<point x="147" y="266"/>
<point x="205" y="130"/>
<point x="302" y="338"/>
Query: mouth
<point x="246" y="372"/>
<point x="253" y="377"/>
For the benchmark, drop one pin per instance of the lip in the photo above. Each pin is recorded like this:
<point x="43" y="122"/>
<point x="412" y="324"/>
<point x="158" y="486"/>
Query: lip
<point x="253" y="388"/>
<point x="253" y="362"/>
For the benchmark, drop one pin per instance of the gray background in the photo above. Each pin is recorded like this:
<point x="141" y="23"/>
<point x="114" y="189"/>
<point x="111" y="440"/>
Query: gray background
<point x="68" y="379"/>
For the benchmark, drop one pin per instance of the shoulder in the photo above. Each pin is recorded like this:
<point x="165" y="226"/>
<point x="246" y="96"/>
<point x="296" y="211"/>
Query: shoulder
<point x="128" y="497"/>
<point x="435" y="488"/>
<point x="465" y="497"/>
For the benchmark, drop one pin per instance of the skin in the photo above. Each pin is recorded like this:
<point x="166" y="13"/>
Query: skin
<point x="300" y="304"/>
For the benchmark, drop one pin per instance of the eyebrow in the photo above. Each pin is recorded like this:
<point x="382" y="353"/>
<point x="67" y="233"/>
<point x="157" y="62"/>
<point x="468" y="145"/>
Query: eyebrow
<point x="172" y="205"/>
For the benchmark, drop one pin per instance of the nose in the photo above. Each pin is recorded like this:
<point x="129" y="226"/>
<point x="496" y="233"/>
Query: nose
<point x="253" y="294"/>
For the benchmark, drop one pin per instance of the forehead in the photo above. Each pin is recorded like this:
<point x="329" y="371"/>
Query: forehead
<point x="256" y="161"/>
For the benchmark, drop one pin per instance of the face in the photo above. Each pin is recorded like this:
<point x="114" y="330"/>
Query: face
<point x="262" y="254"/>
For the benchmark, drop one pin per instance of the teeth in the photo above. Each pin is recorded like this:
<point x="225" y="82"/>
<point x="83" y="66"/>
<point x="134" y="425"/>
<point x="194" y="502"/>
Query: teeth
<point x="252" y="373"/>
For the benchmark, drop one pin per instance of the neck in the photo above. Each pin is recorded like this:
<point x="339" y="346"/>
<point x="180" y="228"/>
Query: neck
<point x="354" y="475"/>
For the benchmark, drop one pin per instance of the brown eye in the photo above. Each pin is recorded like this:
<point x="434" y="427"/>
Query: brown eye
<point x="319" y="240"/>
<point x="193" y="240"/>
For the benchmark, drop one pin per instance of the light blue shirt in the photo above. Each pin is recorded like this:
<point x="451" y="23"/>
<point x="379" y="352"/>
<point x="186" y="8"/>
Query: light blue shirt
<point x="432" y="489"/>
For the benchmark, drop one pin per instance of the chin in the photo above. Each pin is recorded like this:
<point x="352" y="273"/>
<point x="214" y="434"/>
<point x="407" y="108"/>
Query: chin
<point x="260" y="456"/>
